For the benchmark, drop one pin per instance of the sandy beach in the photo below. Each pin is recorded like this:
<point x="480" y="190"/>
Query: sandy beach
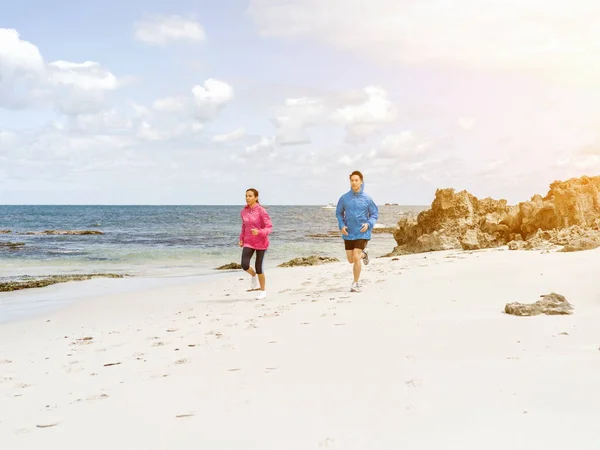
<point x="423" y="358"/>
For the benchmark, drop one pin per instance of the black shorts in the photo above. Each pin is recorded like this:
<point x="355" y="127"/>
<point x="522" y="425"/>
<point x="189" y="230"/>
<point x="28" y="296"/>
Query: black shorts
<point x="357" y="243"/>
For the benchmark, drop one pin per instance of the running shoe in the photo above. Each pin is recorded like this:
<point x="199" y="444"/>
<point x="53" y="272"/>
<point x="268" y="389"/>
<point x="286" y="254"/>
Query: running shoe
<point x="366" y="253"/>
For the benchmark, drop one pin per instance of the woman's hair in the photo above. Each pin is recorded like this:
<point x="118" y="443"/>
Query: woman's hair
<point x="255" y="192"/>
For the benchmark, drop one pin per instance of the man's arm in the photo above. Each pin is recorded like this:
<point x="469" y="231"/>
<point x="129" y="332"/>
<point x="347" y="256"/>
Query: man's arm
<point x="373" y="214"/>
<point x="339" y="213"/>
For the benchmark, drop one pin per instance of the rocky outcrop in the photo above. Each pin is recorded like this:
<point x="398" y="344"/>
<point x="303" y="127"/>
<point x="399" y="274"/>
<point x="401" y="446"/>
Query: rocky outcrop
<point x="52" y="279"/>
<point x="308" y="261"/>
<point x="569" y="212"/>
<point x="326" y="235"/>
<point x="61" y="232"/>
<point x="12" y="245"/>
<point x="5" y="231"/>
<point x="230" y="266"/>
<point x="550" y="304"/>
<point x="383" y="230"/>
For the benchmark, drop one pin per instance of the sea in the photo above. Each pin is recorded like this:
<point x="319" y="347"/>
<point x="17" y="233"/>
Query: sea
<point x="165" y="241"/>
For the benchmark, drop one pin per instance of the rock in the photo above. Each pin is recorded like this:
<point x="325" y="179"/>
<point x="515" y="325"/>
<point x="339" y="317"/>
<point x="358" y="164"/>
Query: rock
<point x="230" y="266"/>
<point x="581" y="244"/>
<point x="12" y="245"/>
<point x="550" y="304"/>
<point x="383" y="230"/>
<point x="569" y="215"/>
<point x="5" y="231"/>
<point x="308" y="261"/>
<point x="52" y="279"/>
<point x="60" y="232"/>
<point x="327" y="235"/>
<point x="469" y="241"/>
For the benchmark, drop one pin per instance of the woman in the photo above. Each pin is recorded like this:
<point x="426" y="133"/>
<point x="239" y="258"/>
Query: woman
<point x="256" y="227"/>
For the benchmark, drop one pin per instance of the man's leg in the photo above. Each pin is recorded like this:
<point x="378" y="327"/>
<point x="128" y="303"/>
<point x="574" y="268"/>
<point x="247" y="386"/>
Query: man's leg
<point x="357" y="255"/>
<point x="350" y="256"/>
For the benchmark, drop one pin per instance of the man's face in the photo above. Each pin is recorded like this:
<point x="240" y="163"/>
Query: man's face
<point x="355" y="183"/>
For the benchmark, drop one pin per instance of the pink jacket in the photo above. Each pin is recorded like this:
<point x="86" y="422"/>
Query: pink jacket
<point x="255" y="217"/>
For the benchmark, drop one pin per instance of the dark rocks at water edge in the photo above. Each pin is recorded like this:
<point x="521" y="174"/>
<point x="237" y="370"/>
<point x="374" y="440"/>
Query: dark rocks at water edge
<point x="383" y="230"/>
<point x="230" y="266"/>
<point x="5" y="231"/>
<point x="550" y="304"/>
<point x="338" y="234"/>
<point x="568" y="216"/>
<point x="326" y="235"/>
<point x="43" y="281"/>
<point x="312" y="260"/>
<point x="59" y="232"/>
<point x="12" y="245"/>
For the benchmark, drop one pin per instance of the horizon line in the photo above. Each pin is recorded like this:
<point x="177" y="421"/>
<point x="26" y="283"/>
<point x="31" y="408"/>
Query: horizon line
<point x="183" y="204"/>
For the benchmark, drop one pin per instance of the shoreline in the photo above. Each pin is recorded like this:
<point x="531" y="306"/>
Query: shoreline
<point x="413" y="361"/>
<point x="65" y="293"/>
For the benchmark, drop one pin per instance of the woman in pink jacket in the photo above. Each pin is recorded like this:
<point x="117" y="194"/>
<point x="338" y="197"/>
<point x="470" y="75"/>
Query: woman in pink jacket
<point x="256" y="227"/>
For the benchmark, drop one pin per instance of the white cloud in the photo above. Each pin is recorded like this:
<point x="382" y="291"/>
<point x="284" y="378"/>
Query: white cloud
<point x="265" y="144"/>
<point x="211" y="97"/>
<point x="202" y="104"/>
<point x="162" y="30"/>
<point x="348" y="160"/>
<point x="295" y="116"/>
<point x="466" y="123"/>
<point x="26" y="80"/>
<point x="87" y="76"/>
<point x="403" y="145"/>
<point x="361" y="113"/>
<point x="171" y="104"/>
<point x="235" y="135"/>
<point x="367" y="117"/>
<point x="548" y="38"/>
<point x="17" y="55"/>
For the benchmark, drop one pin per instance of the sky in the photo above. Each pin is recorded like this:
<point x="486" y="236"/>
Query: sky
<point x="193" y="102"/>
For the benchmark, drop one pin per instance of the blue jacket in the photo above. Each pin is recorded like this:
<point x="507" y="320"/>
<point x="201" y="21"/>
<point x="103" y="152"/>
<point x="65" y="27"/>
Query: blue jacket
<point x="353" y="210"/>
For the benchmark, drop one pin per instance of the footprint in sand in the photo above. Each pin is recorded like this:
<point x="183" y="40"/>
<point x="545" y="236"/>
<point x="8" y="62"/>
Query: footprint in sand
<point x="326" y="444"/>
<point x="165" y="375"/>
<point x="158" y="344"/>
<point x="414" y="383"/>
<point x="47" y="425"/>
<point x="92" y="398"/>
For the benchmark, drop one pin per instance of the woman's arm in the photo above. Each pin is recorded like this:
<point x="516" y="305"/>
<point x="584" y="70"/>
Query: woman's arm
<point x="268" y="225"/>
<point x="243" y="228"/>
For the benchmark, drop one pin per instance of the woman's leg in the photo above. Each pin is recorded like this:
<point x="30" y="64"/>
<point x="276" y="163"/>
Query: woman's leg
<point x="246" y="256"/>
<point x="260" y="254"/>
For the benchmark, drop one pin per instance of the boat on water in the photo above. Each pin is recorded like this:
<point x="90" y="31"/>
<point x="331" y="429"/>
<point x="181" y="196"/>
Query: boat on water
<point x="328" y="206"/>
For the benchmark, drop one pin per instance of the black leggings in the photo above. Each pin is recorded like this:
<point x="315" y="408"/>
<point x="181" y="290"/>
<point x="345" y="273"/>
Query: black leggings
<point x="247" y="255"/>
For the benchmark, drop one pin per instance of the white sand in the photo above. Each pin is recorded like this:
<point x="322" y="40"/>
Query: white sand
<point x="423" y="358"/>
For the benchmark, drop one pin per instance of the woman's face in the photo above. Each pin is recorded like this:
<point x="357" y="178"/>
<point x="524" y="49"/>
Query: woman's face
<point x="250" y="198"/>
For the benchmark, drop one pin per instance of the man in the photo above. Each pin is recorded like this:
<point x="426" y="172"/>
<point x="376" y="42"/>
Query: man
<point x="356" y="214"/>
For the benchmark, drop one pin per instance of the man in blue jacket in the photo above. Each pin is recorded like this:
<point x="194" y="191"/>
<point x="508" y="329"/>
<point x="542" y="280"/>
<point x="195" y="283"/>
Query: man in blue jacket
<point x="357" y="214"/>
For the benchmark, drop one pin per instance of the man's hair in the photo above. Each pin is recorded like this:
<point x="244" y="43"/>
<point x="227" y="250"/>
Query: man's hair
<point x="356" y="172"/>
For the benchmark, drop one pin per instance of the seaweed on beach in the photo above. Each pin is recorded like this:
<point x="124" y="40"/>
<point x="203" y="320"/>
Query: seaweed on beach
<point x="312" y="260"/>
<point x="44" y="281"/>
<point x="230" y="266"/>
